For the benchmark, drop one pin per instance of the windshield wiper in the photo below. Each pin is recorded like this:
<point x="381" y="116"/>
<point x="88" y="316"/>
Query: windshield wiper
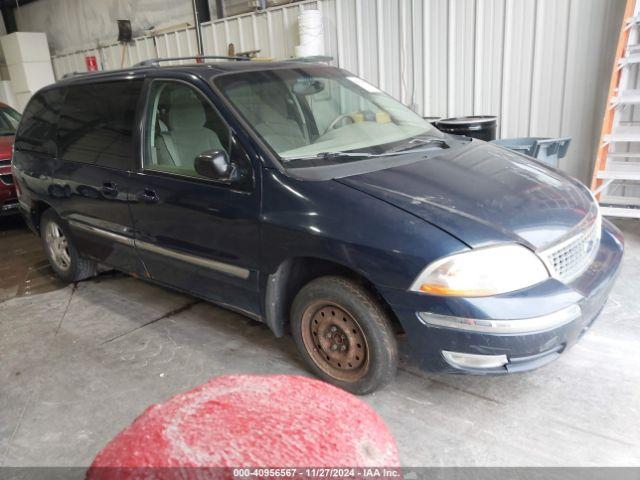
<point x="419" y="142"/>
<point x="332" y="156"/>
<point x="336" y="155"/>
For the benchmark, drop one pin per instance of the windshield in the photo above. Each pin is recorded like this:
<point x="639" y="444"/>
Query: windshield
<point x="9" y="120"/>
<point x="315" y="111"/>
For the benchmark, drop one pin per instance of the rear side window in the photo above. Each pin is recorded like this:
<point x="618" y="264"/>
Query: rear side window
<point x="97" y="124"/>
<point x="37" y="131"/>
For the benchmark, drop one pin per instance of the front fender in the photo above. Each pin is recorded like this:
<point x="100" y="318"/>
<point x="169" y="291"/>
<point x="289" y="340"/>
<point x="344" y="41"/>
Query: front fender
<point x="329" y="220"/>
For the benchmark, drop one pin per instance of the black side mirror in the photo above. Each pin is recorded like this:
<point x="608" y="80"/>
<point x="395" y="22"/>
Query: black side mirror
<point x="215" y="164"/>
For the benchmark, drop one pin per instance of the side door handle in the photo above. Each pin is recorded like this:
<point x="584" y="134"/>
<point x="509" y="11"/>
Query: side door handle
<point x="110" y="189"/>
<point x="149" y="196"/>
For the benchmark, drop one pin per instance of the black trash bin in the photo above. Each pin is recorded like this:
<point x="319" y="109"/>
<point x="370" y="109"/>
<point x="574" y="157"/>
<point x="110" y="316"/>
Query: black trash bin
<point x="482" y="127"/>
<point x="432" y="120"/>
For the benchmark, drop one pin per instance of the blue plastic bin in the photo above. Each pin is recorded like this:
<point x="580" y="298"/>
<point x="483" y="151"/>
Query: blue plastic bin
<point x="547" y="150"/>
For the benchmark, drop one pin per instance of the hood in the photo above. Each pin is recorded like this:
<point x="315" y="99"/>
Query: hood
<point x="483" y="194"/>
<point x="5" y="154"/>
<point x="6" y="142"/>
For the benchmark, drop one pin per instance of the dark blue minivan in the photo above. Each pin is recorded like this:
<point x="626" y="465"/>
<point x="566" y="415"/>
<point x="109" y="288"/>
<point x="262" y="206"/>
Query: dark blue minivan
<point x="306" y="198"/>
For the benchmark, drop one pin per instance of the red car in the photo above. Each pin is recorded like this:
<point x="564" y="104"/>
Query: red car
<point x="9" y="120"/>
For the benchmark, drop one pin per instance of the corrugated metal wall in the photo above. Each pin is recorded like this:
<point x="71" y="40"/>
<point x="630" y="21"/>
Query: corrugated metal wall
<point x="543" y="66"/>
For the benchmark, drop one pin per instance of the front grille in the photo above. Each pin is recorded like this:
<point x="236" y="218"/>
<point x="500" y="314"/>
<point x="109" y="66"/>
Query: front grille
<point x="569" y="258"/>
<point x="4" y="162"/>
<point x="7" y="179"/>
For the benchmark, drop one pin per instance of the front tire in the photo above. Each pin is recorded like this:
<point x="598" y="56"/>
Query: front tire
<point x="62" y="254"/>
<point x="344" y="335"/>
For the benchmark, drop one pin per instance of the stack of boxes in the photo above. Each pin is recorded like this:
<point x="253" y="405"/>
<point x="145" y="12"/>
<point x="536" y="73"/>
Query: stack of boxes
<point x="29" y="64"/>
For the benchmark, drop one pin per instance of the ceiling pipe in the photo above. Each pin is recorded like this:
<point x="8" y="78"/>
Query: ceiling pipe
<point x="196" y="16"/>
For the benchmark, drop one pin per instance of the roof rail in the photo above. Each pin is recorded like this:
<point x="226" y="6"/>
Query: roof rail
<point x="312" y="59"/>
<point x="155" y="62"/>
<point x="74" y="74"/>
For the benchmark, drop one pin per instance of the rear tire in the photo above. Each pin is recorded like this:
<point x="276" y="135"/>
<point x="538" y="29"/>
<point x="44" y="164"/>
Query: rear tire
<point x="344" y="335"/>
<point x="62" y="254"/>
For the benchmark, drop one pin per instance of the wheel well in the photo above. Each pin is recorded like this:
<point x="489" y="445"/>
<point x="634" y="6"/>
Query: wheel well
<point x="295" y="273"/>
<point x="37" y="209"/>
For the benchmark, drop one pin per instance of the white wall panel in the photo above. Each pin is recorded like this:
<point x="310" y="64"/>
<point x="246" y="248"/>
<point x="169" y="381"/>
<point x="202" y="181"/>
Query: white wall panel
<point x="517" y="67"/>
<point x="390" y="30"/>
<point x="542" y="66"/>
<point x="489" y="46"/>
<point x="407" y="53"/>
<point x="461" y="51"/>
<point x="549" y="62"/>
<point x="435" y="71"/>
<point x="348" y="48"/>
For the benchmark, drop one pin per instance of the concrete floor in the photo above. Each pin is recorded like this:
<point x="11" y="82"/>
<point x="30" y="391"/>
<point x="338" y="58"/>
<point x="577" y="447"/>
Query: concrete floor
<point x="79" y="363"/>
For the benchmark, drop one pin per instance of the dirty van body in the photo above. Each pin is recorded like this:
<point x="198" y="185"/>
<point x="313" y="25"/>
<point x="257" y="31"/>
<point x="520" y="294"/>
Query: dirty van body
<point x="306" y="198"/>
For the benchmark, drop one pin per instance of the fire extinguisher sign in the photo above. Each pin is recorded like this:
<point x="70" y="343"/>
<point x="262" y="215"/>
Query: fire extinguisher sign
<point x="91" y="63"/>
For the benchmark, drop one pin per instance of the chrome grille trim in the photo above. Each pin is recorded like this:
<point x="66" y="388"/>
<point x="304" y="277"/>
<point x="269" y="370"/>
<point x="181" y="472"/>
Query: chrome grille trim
<point x="568" y="259"/>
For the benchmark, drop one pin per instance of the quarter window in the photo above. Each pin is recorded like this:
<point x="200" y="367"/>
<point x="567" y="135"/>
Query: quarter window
<point x="9" y="120"/>
<point x="97" y="124"/>
<point x="181" y="124"/>
<point x="37" y="131"/>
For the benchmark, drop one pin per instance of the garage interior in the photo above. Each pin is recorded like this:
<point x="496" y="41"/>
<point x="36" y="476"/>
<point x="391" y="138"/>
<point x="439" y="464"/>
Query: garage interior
<point x="79" y="362"/>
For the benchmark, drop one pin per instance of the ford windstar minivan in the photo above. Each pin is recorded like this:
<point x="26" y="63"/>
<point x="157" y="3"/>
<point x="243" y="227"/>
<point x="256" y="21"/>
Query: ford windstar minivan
<point x="304" y="197"/>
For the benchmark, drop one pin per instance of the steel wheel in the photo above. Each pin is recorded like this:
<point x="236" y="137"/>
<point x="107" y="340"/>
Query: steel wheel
<point x="58" y="246"/>
<point x="335" y="341"/>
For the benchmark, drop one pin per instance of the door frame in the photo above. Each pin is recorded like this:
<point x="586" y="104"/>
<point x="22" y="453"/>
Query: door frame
<point x="100" y="230"/>
<point x="254" y="187"/>
<point x="205" y="91"/>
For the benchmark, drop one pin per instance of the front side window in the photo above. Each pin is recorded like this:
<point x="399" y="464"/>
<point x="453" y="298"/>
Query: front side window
<point x="303" y="112"/>
<point x="181" y="125"/>
<point x="97" y="124"/>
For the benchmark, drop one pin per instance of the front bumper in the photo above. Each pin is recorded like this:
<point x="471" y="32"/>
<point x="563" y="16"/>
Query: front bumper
<point x="523" y="351"/>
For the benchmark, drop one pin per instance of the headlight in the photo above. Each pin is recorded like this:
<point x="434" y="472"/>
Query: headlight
<point x="482" y="272"/>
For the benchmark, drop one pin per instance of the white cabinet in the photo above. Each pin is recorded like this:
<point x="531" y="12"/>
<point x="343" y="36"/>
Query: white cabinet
<point x="29" y="64"/>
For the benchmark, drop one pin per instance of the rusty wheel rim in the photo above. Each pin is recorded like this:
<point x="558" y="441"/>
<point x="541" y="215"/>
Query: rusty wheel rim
<point x="335" y="341"/>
